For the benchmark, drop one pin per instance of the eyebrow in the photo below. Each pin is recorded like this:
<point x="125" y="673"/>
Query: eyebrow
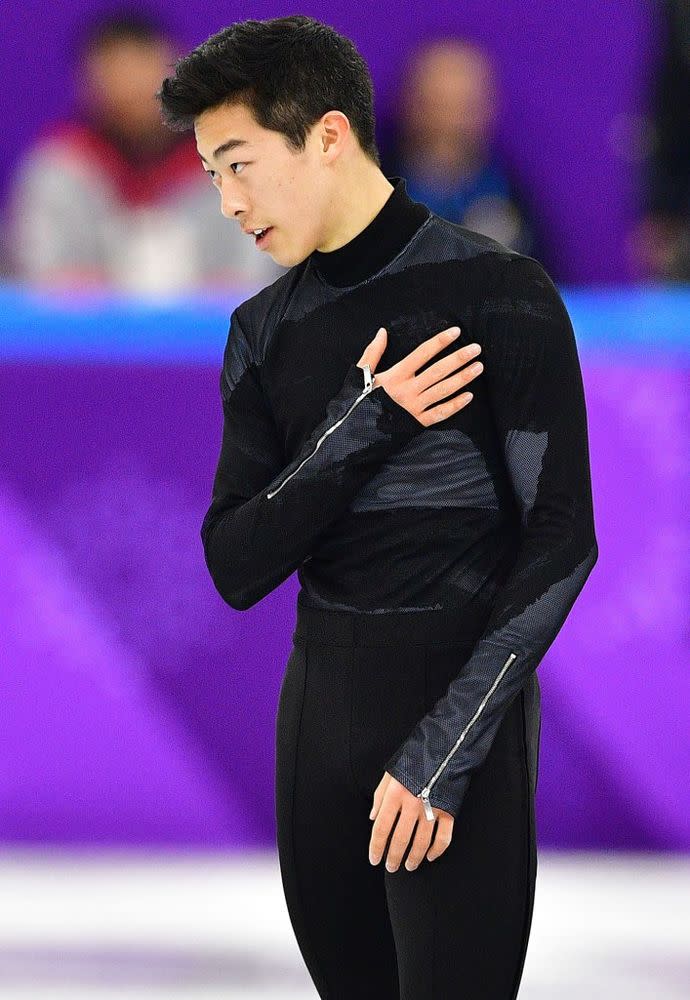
<point x="224" y="147"/>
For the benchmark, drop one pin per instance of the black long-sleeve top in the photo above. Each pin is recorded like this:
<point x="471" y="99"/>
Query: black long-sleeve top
<point x="487" y="512"/>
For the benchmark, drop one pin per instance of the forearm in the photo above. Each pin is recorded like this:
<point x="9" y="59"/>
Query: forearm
<point x="454" y="738"/>
<point x="537" y="403"/>
<point x="252" y="546"/>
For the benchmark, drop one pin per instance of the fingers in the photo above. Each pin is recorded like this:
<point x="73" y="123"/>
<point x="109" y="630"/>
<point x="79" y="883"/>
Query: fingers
<point x="446" y="387"/>
<point x="420" y="355"/>
<point x="440" y="833"/>
<point x="401" y="838"/>
<point x="381" y="829"/>
<point x="444" y="410"/>
<point x="444" y="834"/>
<point x="430" y="839"/>
<point x="374" y="349"/>
<point x="418" y="393"/>
<point x="446" y="366"/>
<point x="379" y="792"/>
<point x="420" y="844"/>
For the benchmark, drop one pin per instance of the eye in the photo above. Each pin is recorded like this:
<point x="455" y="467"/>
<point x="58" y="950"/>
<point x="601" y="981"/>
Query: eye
<point x="211" y="174"/>
<point x="233" y="165"/>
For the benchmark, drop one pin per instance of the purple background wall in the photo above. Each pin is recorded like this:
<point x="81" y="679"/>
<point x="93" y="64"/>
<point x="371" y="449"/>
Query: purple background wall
<point x="136" y="707"/>
<point x="574" y="79"/>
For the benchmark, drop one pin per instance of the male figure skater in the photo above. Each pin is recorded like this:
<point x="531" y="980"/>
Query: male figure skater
<point x="440" y="541"/>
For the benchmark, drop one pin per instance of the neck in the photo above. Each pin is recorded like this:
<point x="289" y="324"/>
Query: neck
<point x="375" y="242"/>
<point x="359" y="202"/>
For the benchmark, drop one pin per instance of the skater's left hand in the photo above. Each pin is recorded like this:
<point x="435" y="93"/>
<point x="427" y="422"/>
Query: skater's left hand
<point x="391" y="798"/>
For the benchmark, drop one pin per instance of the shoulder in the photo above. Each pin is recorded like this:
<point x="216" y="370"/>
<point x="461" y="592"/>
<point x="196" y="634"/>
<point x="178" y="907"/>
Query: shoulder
<point x="260" y="314"/>
<point x="460" y="242"/>
<point x="492" y="276"/>
<point x="521" y="284"/>
<point x="522" y="316"/>
<point x="494" y="259"/>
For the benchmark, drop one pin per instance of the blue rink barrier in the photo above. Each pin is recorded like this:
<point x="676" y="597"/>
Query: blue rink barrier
<point x="646" y="320"/>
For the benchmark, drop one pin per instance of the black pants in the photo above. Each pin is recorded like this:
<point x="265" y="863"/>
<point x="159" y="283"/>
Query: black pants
<point x="453" y="929"/>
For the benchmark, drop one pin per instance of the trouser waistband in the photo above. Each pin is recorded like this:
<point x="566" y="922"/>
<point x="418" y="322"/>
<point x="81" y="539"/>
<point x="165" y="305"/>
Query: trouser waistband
<point x="389" y="628"/>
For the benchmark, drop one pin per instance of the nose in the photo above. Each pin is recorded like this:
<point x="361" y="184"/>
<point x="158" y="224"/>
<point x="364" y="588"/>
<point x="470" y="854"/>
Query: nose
<point x="231" y="201"/>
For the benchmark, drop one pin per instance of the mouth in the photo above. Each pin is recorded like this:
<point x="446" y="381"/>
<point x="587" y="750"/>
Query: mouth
<point x="261" y="236"/>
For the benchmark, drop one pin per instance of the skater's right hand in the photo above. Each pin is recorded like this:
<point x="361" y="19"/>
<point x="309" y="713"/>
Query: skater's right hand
<point x="417" y="392"/>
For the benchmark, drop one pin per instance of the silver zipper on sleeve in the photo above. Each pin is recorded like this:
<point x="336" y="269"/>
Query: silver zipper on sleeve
<point x="368" y="386"/>
<point x="424" y="794"/>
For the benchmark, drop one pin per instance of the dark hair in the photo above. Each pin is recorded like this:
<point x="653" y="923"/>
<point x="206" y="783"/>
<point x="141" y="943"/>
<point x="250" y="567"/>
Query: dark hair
<point x="127" y="24"/>
<point x="289" y="71"/>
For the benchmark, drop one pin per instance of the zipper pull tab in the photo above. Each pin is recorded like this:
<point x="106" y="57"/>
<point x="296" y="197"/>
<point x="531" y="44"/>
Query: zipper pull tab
<point x="424" y="795"/>
<point x="368" y="378"/>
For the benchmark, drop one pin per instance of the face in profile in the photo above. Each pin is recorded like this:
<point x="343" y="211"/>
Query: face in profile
<point x="263" y="183"/>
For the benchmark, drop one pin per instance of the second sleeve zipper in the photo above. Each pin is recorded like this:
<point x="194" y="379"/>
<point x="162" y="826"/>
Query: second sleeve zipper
<point x="424" y="794"/>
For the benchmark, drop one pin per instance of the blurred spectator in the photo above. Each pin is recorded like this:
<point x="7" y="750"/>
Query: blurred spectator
<point x="442" y="143"/>
<point x="661" y="242"/>
<point x="111" y="197"/>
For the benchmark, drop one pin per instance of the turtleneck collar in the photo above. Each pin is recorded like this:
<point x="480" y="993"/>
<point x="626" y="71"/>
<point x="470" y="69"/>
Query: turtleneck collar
<point x="377" y="244"/>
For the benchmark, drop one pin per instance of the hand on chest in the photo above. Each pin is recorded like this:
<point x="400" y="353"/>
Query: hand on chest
<point x="308" y="360"/>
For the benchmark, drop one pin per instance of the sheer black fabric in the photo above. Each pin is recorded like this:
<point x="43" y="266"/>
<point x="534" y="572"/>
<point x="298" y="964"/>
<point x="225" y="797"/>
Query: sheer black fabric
<point x="487" y="513"/>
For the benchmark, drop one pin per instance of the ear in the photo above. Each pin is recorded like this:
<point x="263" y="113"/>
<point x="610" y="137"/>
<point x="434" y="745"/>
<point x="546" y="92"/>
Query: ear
<point x="334" y="129"/>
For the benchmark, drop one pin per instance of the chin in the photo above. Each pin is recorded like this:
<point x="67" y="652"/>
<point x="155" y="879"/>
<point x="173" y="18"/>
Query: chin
<point x="289" y="260"/>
